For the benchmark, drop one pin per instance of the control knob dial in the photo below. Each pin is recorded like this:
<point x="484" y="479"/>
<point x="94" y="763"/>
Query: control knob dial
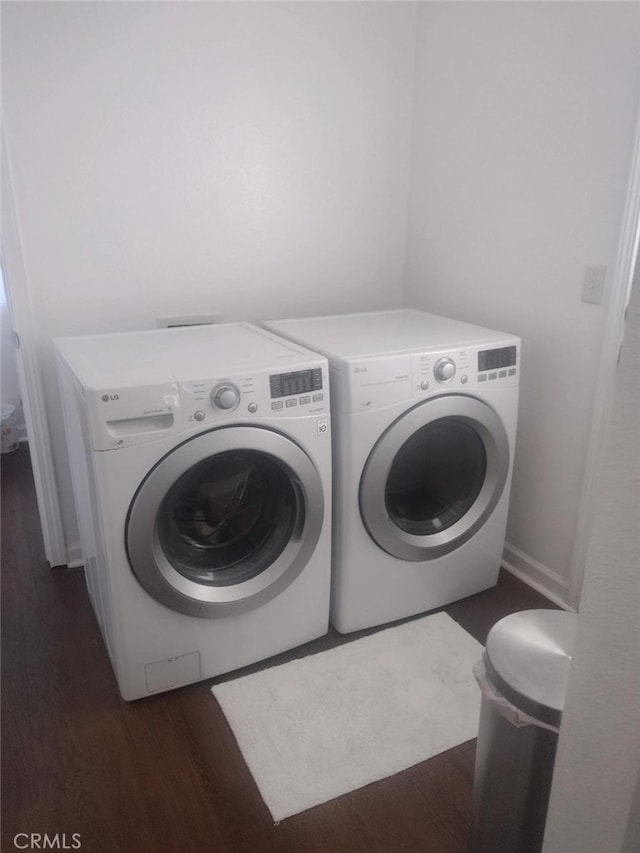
<point x="225" y="396"/>
<point x="445" y="369"/>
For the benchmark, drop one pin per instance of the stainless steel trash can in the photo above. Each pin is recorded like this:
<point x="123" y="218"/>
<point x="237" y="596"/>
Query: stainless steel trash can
<point x="523" y="677"/>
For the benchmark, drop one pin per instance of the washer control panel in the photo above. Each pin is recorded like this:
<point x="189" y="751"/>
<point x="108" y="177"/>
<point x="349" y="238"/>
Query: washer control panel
<point x="297" y="388"/>
<point x="295" y="382"/>
<point x="264" y="393"/>
<point x="493" y="359"/>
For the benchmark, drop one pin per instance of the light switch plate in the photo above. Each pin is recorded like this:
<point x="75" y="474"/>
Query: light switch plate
<point x="593" y="286"/>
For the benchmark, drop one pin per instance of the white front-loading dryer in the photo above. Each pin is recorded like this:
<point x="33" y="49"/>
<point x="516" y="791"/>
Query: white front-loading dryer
<point x="424" y="415"/>
<point x="201" y="467"/>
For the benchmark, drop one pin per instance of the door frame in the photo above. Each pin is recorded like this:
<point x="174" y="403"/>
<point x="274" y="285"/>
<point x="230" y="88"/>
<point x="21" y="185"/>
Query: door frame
<point x="21" y="312"/>
<point x="622" y="275"/>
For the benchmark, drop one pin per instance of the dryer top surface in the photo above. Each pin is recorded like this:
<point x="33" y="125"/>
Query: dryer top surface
<point x="136" y="358"/>
<point x="385" y="332"/>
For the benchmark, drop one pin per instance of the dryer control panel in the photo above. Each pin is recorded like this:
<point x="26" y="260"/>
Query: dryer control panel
<point x="466" y="368"/>
<point x="379" y="381"/>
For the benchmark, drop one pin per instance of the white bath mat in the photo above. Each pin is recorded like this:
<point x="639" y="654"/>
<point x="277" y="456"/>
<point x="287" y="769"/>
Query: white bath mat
<point x="315" y="728"/>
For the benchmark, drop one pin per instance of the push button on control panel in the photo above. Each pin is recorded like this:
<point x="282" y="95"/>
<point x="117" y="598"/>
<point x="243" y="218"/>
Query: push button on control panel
<point x="496" y="374"/>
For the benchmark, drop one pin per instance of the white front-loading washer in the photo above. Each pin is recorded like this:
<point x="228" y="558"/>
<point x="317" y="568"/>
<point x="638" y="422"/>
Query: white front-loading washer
<point x="201" y="468"/>
<point x="424" y="413"/>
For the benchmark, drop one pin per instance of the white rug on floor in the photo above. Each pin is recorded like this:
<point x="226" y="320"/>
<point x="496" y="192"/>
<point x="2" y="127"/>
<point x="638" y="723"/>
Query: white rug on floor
<point x="318" y="727"/>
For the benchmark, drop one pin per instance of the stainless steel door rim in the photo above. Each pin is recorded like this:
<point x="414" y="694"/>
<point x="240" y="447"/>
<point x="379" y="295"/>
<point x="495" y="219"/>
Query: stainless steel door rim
<point x="463" y="409"/>
<point x="149" y="561"/>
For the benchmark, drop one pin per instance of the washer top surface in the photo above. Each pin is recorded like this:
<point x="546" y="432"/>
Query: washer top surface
<point x="138" y="358"/>
<point x="384" y="332"/>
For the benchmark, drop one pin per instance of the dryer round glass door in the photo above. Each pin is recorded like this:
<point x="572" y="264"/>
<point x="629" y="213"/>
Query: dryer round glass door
<point x="434" y="477"/>
<point x="225" y="521"/>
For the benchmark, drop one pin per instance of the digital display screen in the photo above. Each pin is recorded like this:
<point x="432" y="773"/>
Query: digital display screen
<point x="494" y="359"/>
<point x="298" y="382"/>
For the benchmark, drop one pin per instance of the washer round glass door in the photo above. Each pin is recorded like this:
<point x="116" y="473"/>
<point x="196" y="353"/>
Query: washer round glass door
<point x="434" y="477"/>
<point x="225" y="521"/>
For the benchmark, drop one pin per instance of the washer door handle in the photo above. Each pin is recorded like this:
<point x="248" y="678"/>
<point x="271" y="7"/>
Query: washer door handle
<point x="298" y="530"/>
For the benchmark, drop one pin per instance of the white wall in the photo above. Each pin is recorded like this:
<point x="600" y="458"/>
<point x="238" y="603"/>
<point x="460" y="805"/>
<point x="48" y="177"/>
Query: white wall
<point x="595" y="800"/>
<point x="244" y="158"/>
<point x="524" y="121"/>
<point x="253" y="159"/>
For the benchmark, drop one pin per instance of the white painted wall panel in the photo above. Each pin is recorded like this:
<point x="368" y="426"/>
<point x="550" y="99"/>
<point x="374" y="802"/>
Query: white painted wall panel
<point x="172" y="158"/>
<point x="524" y="121"/>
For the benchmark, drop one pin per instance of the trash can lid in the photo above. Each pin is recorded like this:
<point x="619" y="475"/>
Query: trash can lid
<point x="528" y="656"/>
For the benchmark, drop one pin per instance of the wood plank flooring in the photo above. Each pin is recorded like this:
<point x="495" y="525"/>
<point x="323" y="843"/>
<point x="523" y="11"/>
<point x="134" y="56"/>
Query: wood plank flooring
<point x="164" y="773"/>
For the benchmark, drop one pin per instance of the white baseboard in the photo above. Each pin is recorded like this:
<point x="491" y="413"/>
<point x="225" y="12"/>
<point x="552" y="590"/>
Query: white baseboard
<point x="74" y="555"/>
<point x="538" y="576"/>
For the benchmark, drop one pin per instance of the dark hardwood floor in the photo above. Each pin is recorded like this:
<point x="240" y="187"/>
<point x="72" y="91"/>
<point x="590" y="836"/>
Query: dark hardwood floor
<point x="164" y="773"/>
